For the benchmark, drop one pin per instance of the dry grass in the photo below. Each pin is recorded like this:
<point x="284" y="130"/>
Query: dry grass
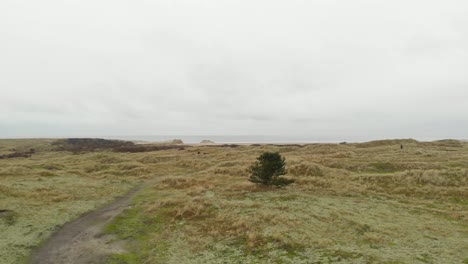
<point x="351" y="203"/>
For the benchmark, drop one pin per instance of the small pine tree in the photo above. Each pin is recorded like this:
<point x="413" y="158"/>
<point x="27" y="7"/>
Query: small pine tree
<point x="267" y="170"/>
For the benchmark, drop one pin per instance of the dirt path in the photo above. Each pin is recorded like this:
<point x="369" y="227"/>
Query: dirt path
<point x="82" y="241"/>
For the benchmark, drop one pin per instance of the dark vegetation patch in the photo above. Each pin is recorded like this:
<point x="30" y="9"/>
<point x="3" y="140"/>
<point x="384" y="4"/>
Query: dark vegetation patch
<point x="80" y="145"/>
<point x="19" y="154"/>
<point x="341" y="255"/>
<point x="9" y="217"/>
<point x="288" y="145"/>
<point x="224" y="146"/>
<point x="49" y="166"/>
<point x="380" y="166"/>
<point x="4" y="212"/>
<point x="146" y="148"/>
<point x="77" y="145"/>
<point x="383" y="167"/>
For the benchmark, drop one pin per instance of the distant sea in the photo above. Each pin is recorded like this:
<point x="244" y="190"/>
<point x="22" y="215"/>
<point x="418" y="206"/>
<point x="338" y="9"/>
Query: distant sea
<point x="225" y="139"/>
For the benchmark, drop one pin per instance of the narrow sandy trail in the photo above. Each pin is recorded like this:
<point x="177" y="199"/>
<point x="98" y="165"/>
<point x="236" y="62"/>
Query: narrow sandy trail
<point x="82" y="241"/>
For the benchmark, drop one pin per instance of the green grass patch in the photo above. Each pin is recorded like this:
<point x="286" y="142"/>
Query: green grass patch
<point x="425" y="258"/>
<point x="139" y="229"/>
<point x="123" y="259"/>
<point x="459" y="200"/>
<point x="9" y="218"/>
<point x="383" y="167"/>
<point x="340" y="255"/>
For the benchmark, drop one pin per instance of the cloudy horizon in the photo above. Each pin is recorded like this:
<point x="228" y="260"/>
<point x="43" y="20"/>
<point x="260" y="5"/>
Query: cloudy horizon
<point x="336" y="70"/>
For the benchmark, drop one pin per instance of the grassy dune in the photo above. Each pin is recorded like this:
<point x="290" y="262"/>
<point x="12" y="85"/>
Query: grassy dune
<point x="45" y="191"/>
<point x="351" y="203"/>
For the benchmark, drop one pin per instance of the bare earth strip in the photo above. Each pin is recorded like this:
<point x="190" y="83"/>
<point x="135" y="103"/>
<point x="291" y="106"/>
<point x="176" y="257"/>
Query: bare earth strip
<point x="82" y="241"/>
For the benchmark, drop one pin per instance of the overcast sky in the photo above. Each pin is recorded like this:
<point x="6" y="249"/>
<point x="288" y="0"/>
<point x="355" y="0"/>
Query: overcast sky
<point x="340" y="70"/>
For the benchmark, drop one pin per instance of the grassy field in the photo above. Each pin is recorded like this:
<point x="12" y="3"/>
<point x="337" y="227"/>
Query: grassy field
<point x="351" y="203"/>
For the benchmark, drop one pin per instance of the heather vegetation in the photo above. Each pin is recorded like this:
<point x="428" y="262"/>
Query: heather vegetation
<point x="81" y="145"/>
<point x="350" y="203"/>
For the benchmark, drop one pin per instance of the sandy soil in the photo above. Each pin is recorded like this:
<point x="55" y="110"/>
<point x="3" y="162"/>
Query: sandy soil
<point x="82" y="241"/>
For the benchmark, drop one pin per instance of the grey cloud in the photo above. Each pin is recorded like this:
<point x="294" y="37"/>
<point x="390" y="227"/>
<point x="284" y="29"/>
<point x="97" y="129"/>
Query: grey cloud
<point x="336" y="69"/>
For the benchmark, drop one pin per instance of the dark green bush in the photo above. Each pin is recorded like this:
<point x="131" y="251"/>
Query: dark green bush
<point x="268" y="169"/>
